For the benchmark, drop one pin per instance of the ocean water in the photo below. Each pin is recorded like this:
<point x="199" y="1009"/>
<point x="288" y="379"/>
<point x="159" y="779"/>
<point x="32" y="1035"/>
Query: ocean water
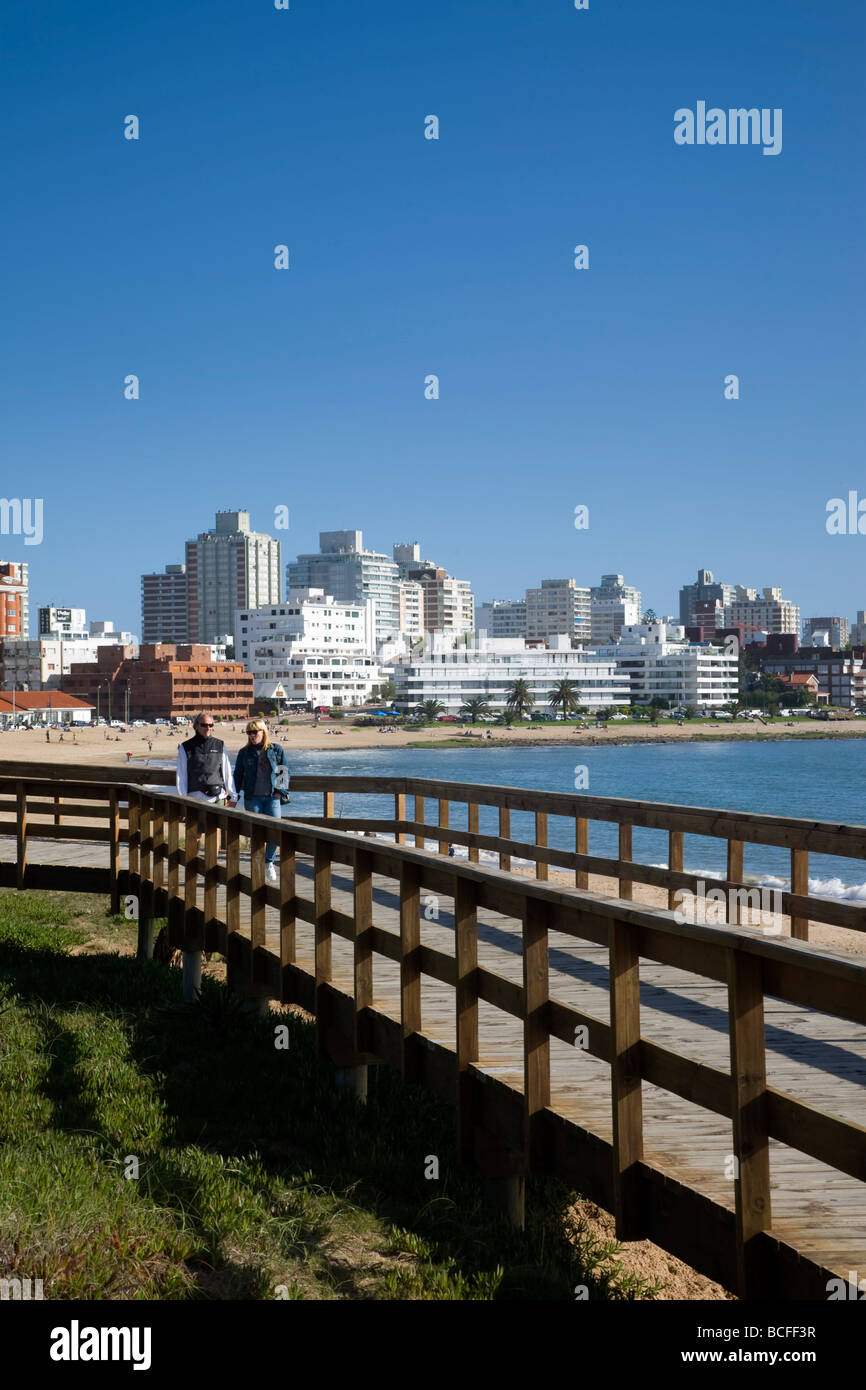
<point x="817" y="779"/>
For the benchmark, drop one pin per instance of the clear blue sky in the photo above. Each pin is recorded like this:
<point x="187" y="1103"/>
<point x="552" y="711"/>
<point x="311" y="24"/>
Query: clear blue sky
<point x="306" y="388"/>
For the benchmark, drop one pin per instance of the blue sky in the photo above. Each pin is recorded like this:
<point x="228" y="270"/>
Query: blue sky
<point x="305" y="388"/>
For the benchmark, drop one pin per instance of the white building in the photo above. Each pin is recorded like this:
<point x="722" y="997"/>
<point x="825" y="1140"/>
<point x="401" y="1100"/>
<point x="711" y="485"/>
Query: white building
<point x="558" y="607"/>
<point x="769" y="613"/>
<point x="502" y="617"/>
<point x="317" y="650"/>
<point x="613" y="606"/>
<point x="353" y="575"/>
<point x="40" y="663"/>
<point x="455" y="675"/>
<point x="411" y="604"/>
<point x="657" y="659"/>
<point x="68" y="623"/>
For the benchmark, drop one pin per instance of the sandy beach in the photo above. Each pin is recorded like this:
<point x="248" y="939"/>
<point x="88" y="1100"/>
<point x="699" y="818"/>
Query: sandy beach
<point x="110" y="746"/>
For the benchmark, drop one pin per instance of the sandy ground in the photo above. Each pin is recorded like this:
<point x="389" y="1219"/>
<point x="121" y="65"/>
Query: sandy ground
<point x="111" y="746"/>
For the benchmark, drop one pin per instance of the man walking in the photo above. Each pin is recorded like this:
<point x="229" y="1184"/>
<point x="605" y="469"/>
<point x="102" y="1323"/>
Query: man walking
<point x="203" y="768"/>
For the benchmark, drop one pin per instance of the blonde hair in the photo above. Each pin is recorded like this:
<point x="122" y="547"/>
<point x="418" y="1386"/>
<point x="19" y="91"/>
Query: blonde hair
<point x="260" y="724"/>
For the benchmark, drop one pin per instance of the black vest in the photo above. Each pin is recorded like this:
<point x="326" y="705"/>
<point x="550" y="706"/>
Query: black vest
<point x="204" y="758"/>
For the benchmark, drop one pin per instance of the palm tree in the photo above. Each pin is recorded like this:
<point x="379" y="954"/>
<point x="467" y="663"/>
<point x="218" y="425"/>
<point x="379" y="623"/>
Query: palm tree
<point x="563" y="696"/>
<point x="519" y="698"/>
<point x="474" y="709"/>
<point x="430" y="710"/>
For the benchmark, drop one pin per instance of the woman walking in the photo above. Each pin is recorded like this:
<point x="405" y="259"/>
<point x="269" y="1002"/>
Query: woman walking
<point x="262" y="774"/>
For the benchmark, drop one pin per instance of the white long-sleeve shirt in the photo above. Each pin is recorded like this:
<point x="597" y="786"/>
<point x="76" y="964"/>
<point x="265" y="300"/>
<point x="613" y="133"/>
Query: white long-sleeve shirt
<point x="183" y="784"/>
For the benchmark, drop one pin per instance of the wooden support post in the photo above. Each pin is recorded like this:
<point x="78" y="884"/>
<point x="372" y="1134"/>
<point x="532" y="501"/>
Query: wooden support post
<point x="735" y="875"/>
<point x="175" y="904"/>
<point x="541" y="840"/>
<point x="158" y="831"/>
<point x="536" y="1035"/>
<point x="472" y="827"/>
<point x="211" y="854"/>
<point x="625" y="1075"/>
<point x="287" y="900"/>
<point x="800" y="885"/>
<point x="466" y="952"/>
<point x="420" y="813"/>
<point x="145" y="883"/>
<point x="190" y="855"/>
<point x="626" y="886"/>
<point x="192" y="940"/>
<point x="114" y="848"/>
<point x="675" y="862"/>
<point x="133" y="833"/>
<point x="400" y="815"/>
<point x="328" y="805"/>
<point x="504" y="834"/>
<point x="258" y="903"/>
<point x="322" y="907"/>
<point x="58" y="802"/>
<point x="233" y="877"/>
<point x="21" y="822"/>
<point x="410" y="971"/>
<point x="363" y="949"/>
<point x="581" y="846"/>
<point x="749" y="1110"/>
<point x="444" y="807"/>
<point x="146" y="842"/>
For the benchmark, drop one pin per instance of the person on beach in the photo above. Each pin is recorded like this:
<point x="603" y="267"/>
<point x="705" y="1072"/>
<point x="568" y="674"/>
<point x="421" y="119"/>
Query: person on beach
<point x="261" y="773"/>
<point x="203" y="768"/>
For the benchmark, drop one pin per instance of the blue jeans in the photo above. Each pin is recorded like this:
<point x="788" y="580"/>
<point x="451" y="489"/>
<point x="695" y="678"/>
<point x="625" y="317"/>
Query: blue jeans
<point x="264" y="806"/>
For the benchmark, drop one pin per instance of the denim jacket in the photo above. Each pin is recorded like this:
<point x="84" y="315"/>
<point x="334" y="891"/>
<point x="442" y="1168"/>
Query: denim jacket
<point x="246" y="764"/>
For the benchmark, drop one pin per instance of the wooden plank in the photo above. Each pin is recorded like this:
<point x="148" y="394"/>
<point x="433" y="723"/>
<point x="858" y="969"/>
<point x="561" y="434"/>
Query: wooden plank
<point x="581" y="846"/>
<point x="466" y="1001"/>
<point x="536" y="1037"/>
<point x="420" y="814"/>
<point x="410" y="969"/>
<point x="800" y="886"/>
<point x="21" y="836"/>
<point x="288" y="889"/>
<point x="258" y="900"/>
<point x="114" y="849"/>
<point x="541" y="841"/>
<point x="400" y="814"/>
<point x="675" y="862"/>
<point x="322" y="907"/>
<point x="625" y="1075"/>
<point x="472" y="826"/>
<point x="625" y="855"/>
<point x="192" y="938"/>
<point x="133" y="833"/>
<point x="158" y="833"/>
<point x="362" y="962"/>
<point x="504" y="834"/>
<point x="735" y="874"/>
<point x="749" y="1114"/>
<point x="211" y="855"/>
<point x="327" y="804"/>
<point x="444" y="808"/>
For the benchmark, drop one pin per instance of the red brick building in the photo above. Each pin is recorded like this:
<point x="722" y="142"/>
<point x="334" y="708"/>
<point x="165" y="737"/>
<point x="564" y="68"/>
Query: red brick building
<point x="165" y="680"/>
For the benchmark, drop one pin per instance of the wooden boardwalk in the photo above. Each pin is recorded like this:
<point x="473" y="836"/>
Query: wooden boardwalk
<point x="814" y="1057"/>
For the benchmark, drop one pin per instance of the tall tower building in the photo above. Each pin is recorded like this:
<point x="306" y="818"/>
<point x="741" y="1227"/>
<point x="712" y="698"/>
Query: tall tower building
<point x="14" y="598"/>
<point x="227" y="569"/>
<point x="351" y="574"/>
<point x="558" y="607"/>
<point x="613" y="606"/>
<point x="165" y="606"/>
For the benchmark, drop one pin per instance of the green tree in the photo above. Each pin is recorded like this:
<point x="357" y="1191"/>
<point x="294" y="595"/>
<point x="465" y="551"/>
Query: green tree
<point x="519" y="698"/>
<point x="563" y="697"/>
<point x="388" y="690"/>
<point x="430" y="710"/>
<point x="474" y="709"/>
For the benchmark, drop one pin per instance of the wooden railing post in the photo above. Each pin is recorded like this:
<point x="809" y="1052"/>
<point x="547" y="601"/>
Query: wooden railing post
<point x="444" y="807"/>
<point x="258" y="882"/>
<point x="400" y="815"/>
<point x="504" y="834"/>
<point x="410" y="970"/>
<point x="420" y="812"/>
<point x="21" y="834"/>
<point x="211" y="855"/>
<point x="114" y="848"/>
<point x="626" y="886"/>
<point x="536" y="1034"/>
<point x="354" y="1078"/>
<point x="192" y="942"/>
<point x="541" y="840"/>
<point x="145" y="883"/>
<point x="472" y="827"/>
<point x="322" y="909"/>
<point x="800" y="885"/>
<point x="735" y="875"/>
<point x="328" y="805"/>
<point x="581" y="846"/>
<point x="625" y="1075"/>
<point x="287" y="903"/>
<point x="749" y="1110"/>
<point x="675" y="862"/>
<point x="58" y="802"/>
<point x="466" y="951"/>
<point x="158" y="831"/>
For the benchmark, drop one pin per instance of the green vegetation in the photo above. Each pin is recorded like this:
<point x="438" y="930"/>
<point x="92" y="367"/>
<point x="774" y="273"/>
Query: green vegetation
<point x="564" y="696"/>
<point x="474" y="709"/>
<point x="256" y="1179"/>
<point x="519" y="699"/>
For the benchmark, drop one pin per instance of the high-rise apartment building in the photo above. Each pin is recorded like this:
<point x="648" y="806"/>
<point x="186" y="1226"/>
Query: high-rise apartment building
<point x="769" y="613"/>
<point x="502" y="617"/>
<point x="858" y="629"/>
<point x="411" y="599"/>
<point x="14" y="598"/>
<point x="558" y="608"/>
<point x="705" y="589"/>
<point x="834" y="629"/>
<point x="165" y="606"/>
<point x="351" y="574"/>
<point x="449" y="605"/>
<point x="310" y="650"/>
<point x="66" y="624"/>
<point x="613" y="606"/>
<point x="227" y="569"/>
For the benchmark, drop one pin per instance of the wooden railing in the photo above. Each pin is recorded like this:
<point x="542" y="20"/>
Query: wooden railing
<point x="737" y="829"/>
<point x="216" y="906"/>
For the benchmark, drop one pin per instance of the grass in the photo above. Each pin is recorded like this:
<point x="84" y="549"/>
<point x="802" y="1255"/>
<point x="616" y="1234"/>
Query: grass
<point x="155" y="1150"/>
